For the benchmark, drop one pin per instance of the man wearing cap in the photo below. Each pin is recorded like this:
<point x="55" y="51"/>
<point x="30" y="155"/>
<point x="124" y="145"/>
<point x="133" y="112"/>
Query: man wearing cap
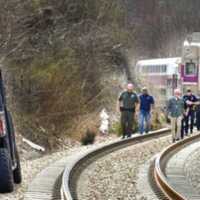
<point x="127" y="104"/>
<point x="175" y="110"/>
<point x="190" y="101"/>
<point x="146" y="106"/>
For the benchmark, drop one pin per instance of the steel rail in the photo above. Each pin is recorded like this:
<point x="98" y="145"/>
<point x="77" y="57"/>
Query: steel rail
<point x="68" y="189"/>
<point x="159" y="171"/>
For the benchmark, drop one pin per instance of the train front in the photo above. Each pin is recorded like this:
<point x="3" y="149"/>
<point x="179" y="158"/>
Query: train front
<point x="190" y="65"/>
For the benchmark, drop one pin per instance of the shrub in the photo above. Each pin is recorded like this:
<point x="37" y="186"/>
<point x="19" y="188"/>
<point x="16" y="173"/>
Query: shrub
<point x="157" y="120"/>
<point x="135" y="125"/>
<point x="117" y="129"/>
<point x="88" y="138"/>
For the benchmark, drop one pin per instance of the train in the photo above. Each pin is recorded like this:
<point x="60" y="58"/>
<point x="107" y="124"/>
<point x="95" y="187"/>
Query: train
<point x="163" y="75"/>
<point x="190" y="63"/>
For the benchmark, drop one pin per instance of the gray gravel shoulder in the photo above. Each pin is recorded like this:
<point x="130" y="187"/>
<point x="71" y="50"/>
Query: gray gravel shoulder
<point x="32" y="166"/>
<point x="192" y="170"/>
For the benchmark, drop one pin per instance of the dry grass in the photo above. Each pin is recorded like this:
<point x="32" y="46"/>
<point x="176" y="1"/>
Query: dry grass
<point x="84" y="123"/>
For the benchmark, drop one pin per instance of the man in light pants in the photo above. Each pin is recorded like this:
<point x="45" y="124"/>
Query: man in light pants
<point x="175" y="110"/>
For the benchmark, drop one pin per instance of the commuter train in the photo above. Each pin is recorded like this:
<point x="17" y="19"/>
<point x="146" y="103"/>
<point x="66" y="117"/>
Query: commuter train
<point x="160" y="74"/>
<point x="166" y="74"/>
<point x="190" y="62"/>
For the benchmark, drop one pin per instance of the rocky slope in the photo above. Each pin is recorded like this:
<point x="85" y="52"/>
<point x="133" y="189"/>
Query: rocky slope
<point x="63" y="58"/>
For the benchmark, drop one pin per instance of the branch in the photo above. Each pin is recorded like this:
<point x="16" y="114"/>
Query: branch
<point x="13" y="50"/>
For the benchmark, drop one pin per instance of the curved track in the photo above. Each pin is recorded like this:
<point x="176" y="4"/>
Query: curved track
<point x="59" y="180"/>
<point x="72" y="172"/>
<point x="169" y="174"/>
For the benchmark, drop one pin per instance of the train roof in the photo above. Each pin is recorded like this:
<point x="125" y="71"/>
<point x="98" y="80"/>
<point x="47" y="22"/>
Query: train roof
<point x="160" y="61"/>
<point x="194" y="37"/>
<point x="192" y="40"/>
<point x="187" y="44"/>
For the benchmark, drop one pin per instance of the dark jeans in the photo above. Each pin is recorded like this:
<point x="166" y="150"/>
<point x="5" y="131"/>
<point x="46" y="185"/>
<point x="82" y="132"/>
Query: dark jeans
<point x="189" y="119"/>
<point x="127" y="118"/>
<point x="182" y="128"/>
<point x="198" y="120"/>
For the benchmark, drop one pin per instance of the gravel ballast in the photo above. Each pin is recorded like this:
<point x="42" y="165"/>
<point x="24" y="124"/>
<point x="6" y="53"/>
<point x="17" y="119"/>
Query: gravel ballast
<point x="192" y="169"/>
<point x="114" y="176"/>
<point x="29" y="169"/>
<point x="111" y="177"/>
<point x="33" y="162"/>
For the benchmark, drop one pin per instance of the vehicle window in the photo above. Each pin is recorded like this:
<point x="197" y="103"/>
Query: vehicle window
<point x="165" y="68"/>
<point x="154" y="69"/>
<point x="190" y="69"/>
<point x="163" y="91"/>
<point x="157" y="69"/>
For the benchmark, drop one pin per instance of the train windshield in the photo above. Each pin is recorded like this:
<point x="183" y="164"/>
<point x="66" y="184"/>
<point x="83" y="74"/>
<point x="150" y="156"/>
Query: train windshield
<point x="190" y="69"/>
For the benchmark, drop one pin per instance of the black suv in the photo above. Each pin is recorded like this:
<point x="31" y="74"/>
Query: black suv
<point x="10" y="170"/>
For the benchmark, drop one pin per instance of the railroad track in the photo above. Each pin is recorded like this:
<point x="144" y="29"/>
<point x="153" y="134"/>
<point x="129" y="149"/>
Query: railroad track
<point x="72" y="173"/>
<point x="59" y="180"/>
<point x="170" y="178"/>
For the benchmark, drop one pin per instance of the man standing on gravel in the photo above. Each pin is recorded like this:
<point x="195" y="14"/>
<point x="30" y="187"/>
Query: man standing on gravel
<point x="127" y="104"/>
<point x="190" y="101"/>
<point x="175" y="110"/>
<point x="146" y="107"/>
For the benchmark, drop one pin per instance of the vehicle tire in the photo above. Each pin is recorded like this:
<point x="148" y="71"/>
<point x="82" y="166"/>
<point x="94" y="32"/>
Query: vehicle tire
<point x="6" y="175"/>
<point x="17" y="175"/>
<point x="17" y="171"/>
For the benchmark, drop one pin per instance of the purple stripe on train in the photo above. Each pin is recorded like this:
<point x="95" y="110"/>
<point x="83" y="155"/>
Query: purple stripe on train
<point x="186" y="78"/>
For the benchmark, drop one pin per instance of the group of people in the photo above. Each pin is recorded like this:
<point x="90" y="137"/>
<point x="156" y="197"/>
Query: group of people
<point x="180" y="110"/>
<point x="130" y="105"/>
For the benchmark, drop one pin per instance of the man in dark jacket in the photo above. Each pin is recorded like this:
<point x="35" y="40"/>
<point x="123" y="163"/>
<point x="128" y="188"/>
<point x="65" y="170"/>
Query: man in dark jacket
<point x="190" y="101"/>
<point x="198" y="115"/>
<point x="127" y="104"/>
<point x="146" y="106"/>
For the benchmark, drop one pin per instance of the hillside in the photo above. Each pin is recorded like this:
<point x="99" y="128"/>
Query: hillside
<point x="65" y="60"/>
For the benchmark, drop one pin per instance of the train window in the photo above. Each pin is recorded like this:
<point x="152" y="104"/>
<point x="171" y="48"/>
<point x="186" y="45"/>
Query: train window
<point x="144" y="69"/>
<point x="151" y="69"/>
<point x="169" y="82"/>
<point x="163" y="91"/>
<point x="154" y="69"/>
<point x="190" y="69"/>
<point x="157" y="68"/>
<point x="160" y="68"/>
<point x="163" y="68"/>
